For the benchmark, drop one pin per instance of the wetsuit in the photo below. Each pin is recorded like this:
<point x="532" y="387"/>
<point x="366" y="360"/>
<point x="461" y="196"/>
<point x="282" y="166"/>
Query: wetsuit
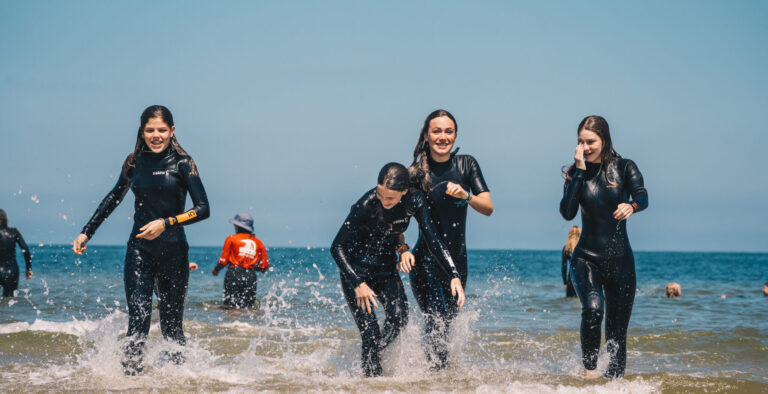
<point x="246" y="256"/>
<point x="603" y="266"/>
<point x="430" y="283"/>
<point x="567" y="280"/>
<point x="364" y="250"/>
<point x="160" y="182"/>
<point x="9" y="269"/>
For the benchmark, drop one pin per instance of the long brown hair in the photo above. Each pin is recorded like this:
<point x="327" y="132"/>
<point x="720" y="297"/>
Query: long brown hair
<point x="3" y="219"/>
<point x="598" y="125"/>
<point x="419" y="169"/>
<point x="155" y="111"/>
<point x="573" y="238"/>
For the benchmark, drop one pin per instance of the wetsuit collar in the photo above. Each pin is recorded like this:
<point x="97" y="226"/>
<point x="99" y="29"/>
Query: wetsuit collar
<point x="146" y="152"/>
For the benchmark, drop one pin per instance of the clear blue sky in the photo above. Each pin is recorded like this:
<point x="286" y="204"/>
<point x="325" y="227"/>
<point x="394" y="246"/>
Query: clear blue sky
<point x="290" y="109"/>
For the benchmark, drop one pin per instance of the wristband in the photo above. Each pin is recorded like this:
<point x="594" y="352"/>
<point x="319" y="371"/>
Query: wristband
<point x="462" y="203"/>
<point x="403" y="248"/>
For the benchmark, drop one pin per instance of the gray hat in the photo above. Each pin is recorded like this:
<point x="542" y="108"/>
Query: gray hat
<point x="243" y="220"/>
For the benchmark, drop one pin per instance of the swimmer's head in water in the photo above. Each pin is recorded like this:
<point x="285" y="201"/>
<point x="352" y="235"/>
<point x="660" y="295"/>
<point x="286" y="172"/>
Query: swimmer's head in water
<point x="392" y="184"/>
<point x="595" y="134"/>
<point x="765" y="289"/>
<point x="3" y="219"/>
<point x="673" y="290"/>
<point x="438" y="134"/>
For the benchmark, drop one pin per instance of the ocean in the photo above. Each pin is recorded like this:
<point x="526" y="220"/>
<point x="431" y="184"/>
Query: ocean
<point x="517" y="333"/>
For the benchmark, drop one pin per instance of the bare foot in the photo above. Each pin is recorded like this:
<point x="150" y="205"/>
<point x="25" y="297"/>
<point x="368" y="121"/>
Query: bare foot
<point x="590" y="374"/>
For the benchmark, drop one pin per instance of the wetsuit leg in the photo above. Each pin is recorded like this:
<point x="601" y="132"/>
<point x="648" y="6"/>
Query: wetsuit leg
<point x="139" y="282"/>
<point x="588" y="281"/>
<point x="240" y="287"/>
<point x="251" y="277"/>
<point x="392" y="295"/>
<point x="9" y="279"/>
<point x="619" y="298"/>
<point x="172" y="281"/>
<point x="230" y="287"/>
<point x="369" y="330"/>
<point x="428" y="291"/>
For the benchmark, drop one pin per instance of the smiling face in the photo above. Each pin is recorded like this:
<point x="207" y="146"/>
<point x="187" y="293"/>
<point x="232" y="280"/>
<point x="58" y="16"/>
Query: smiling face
<point x="593" y="145"/>
<point x="157" y="135"/>
<point x="388" y="197"/>
<point x="441" y="136"/>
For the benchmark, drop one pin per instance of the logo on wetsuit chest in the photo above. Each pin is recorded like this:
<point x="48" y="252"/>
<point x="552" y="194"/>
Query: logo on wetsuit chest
<point x="161" y="172"/>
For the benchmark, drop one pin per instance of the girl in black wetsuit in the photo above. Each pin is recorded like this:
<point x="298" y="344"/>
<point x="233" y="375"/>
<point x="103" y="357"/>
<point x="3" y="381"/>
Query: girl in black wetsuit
<point x="9" y="269"/>
<point x="609" y="189"/>
<point x="160" y="173"/>
<point x="364" y="250"/>
<point x="451" y="183"/>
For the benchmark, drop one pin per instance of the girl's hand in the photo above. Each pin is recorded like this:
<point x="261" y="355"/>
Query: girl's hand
<point x="152" y="229"/>
<point x="454" y="190"/>
<point x="623" y="212"/>
<point x="457" y="289"/>
<point x="578" y="157"/>
<point x="407" y="261"/>
<point x="29" y="274"/>
<point x="78" y="245"/>
<point x="365" y="297"/>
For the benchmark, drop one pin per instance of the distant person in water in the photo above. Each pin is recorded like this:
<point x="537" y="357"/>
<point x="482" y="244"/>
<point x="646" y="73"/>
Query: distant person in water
<point x="765" y="289"/>
<point x="365" y="251"/>
<point x="673" y="290"/>
<point x="573" y="238"/>
<point x="161" y="174"/>
<point x="246" y="256"/>
<point x="9" y="268"/>
<point x="609" y="190"/>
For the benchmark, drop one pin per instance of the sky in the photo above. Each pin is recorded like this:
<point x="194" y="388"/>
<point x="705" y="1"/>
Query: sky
<point x="290" y="109"/>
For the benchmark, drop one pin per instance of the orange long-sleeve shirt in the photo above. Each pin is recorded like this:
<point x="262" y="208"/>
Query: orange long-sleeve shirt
<point x="244" y="250"/>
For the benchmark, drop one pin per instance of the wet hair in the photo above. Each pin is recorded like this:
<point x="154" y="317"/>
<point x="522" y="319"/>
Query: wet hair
<point x="419" y="169"/>
<point x="573" y="238"/>
<point x="673" y="290"/>
<point x="394" y="176"/>
<point x="3" y="219"/>
<point x="598" y="125"/>
<point x="155" y="111"/>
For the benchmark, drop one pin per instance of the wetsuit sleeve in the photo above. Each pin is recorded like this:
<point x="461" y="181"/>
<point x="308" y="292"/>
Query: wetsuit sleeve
<point x="565" y="267"/>
<point x="476" y="180"/>
<point x="109" y="203"/>
<point x="345" y="237"/>
<point x="24" y="249"/>
<point x="569" y="205"/>
<point x="434" y="242"/>
<point x="200" y="209"/>
<point x="634" y="181"/>
<point x="224" y="259"/>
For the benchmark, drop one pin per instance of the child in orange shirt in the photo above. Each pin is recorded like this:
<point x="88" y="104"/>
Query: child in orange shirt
<point x="246" y="256"/>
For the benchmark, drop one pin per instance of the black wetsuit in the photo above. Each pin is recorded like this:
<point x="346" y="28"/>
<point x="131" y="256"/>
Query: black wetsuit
<point x="9" y="268"/>
<point x="240" y="286"/>
<point x="364" y="250"/>
<point x="603" y="266"/>
<point x="430" y="283"/>
<point x="567" y="280"/>
<point x="160" y="183"/>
